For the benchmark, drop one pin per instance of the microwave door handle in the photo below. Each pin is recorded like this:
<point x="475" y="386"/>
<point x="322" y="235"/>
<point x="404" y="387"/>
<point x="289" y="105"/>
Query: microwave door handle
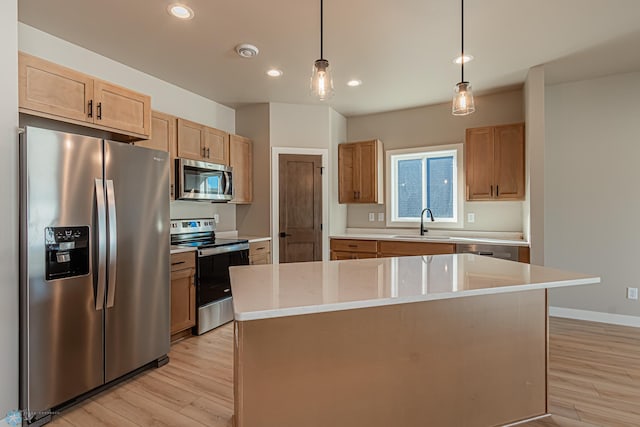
<point x="101" y="241"/>
<point x="227" y="183"/>
<point x="113" y="244"/>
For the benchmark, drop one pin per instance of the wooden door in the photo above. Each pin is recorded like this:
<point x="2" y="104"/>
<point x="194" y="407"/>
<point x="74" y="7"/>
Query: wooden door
<point x="216" y="144"/>
<point x="346" y="173"/>
<point x="300" y="195"/>
<point x="121" y="109"/>
<point x="479" y="163"/>
<point x="509" y="161"/>
<point x="183" y="300"/>
<point x="163" y="137"/>
<point x="190" y="140"/>
<point x="54" y="91"/>
<point x="366" y="172"/>
<point x="241" y="160"/>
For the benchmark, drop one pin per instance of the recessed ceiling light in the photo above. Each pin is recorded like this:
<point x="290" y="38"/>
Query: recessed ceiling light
<point x="354" y="83"/>
<point x="467" y="58"/>
<point x="180" y="11"/>
<point x="274" y="72"/>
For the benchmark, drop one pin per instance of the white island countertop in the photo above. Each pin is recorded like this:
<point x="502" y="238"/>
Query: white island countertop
<point x="279" y="290"/>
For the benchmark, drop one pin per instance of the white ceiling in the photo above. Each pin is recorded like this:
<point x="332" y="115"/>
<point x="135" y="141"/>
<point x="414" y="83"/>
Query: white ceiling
<point x="401" y="49"/>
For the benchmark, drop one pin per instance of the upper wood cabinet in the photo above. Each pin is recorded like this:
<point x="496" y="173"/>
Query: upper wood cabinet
<point x="494" y="158"/>
<point x="163" y="137"/>
<point x="200" y="142"/>
<point x="360" y="172"/>
<point x="241" y="160"/>
<point x="50" y="90"/>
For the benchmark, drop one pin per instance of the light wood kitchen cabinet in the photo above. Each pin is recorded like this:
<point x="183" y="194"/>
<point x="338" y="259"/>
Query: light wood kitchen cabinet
<point x="353" y="249"/>
<point x="52" y="91"/>
<point x="360" y="172"/>
<point x="200" y="142"/>
<point x="390" y="248"/>
<point x="183" y="294"/>
<point x="163" y="137"/>
<point x="260" y="252"/>
<point x="241" y="160"/>
<point x="495" y="162"/>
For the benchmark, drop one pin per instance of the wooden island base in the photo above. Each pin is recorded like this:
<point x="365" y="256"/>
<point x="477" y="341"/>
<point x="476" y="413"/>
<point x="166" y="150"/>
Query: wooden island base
<point x="473" y="361"/>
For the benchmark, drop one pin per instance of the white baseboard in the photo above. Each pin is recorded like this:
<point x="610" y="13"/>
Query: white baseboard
<point x="595" y="316"/>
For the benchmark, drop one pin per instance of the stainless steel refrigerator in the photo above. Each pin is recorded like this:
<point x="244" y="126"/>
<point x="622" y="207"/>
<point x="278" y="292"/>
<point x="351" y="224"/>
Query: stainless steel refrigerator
<point x="94" y="265"/>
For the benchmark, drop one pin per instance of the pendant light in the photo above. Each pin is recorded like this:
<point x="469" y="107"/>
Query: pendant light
<point x="321" y="80"/>
<point x="463" y="98"/>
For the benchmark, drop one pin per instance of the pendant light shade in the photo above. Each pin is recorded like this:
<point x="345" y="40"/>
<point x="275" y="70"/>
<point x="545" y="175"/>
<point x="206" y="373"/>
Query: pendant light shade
<point x="463" y="100"/>
<point x="463" y="103"/>
<point x="321" y="79"/>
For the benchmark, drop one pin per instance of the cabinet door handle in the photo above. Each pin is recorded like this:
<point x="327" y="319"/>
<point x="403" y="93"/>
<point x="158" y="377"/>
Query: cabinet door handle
<point x="492" y="191"/>
<point x="178" y="263"/>
<point x="352" y="246"/>
<point x="99" y="108"/>
<point x="90" y="108"/>
<point x="204" y="152"/>
<point x="497" y="191"/>
<point x="467" y="192"/>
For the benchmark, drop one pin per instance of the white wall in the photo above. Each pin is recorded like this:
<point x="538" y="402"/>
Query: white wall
<point x="9" y="211"/>
<point x="299" y="126"/>
<point x="337" y="212"/>
<point x="533" y="209"/>
<point x="592" y="200"/>
<point x="165" y="97"/>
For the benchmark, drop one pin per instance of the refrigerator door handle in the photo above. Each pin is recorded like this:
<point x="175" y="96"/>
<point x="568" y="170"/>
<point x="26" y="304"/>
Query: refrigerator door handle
<point x="102" y="244"/>
<point x="113" y="244"/>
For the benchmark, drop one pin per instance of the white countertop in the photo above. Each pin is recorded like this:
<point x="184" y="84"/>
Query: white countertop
<point x="253" y="239"/>
<point x="430" y="238"/>
<point x="279" y="290"/>
<point x="179" y="249"/>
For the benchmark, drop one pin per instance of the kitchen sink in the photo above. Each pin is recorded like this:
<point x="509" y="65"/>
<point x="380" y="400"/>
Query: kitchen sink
<point x="421" y="237"/>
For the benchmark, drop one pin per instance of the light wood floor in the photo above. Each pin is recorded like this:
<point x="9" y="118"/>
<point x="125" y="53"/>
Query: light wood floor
<point x="594" y="381"/>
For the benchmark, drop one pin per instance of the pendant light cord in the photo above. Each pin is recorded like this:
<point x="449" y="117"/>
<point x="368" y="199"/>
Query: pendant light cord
<point x="321" y="28"/>
<point x="461" y="40"/>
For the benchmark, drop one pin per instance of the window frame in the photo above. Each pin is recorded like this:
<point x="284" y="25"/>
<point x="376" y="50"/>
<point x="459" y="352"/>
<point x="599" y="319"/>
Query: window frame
<point x="458" y="185"/>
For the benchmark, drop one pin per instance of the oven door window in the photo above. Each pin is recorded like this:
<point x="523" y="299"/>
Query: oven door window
<point x="213" y="275"/>
<point x="203" y="182"/>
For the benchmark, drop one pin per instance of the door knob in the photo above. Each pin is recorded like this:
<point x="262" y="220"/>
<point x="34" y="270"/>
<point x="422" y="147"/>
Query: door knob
<point x="283" y="234"/>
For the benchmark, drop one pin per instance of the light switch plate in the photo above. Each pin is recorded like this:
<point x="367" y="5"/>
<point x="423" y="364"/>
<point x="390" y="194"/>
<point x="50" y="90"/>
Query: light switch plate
<point x="471" y="217"/>
<point x="372" y="216"/>
<point x="380" y="216"/>
<point x="632" y="293"/>
<point x="216" y="218"/>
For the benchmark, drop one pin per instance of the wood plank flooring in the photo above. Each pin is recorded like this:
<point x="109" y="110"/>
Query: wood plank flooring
<point x="594" y="381"/>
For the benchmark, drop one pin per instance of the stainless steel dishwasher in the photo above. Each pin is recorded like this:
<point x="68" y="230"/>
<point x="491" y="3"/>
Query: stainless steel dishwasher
<point x="495" y="251"/>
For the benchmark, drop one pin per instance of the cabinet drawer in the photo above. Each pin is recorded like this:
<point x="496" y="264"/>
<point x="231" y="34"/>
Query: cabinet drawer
<point x="259" y="259"/>
<point x="389" y="248"/>
<point x="258" y="248"/>
<point x="351" y="245"/>
<point x="183" y="260"/>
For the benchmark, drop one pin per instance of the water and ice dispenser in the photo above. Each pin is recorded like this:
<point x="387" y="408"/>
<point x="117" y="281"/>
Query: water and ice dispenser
<point x="67" y="251"/>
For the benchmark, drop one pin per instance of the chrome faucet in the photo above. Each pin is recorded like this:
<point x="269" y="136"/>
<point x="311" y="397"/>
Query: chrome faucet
<point x="422" y="229"/>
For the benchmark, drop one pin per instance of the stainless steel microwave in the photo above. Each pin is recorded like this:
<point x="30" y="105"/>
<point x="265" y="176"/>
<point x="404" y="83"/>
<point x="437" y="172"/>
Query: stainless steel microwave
<point x="203" y="181"/>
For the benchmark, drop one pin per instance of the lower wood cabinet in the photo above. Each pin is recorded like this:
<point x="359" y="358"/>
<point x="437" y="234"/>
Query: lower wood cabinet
<point x="353" y="249"/>
<point x="183" y="294"/>
<point x="389" y="248"/>
<point x="260" y="252"/>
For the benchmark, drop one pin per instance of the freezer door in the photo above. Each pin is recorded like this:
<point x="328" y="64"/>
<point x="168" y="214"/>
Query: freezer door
<point x="137" y="304"/>
<point x="61" y="318"/>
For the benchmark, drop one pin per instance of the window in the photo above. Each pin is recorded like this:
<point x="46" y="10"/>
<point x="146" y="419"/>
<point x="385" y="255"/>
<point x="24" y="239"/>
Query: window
<point x="426" y="177"/>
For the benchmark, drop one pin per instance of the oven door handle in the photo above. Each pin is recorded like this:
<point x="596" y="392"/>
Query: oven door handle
<point x="223" y="249"/>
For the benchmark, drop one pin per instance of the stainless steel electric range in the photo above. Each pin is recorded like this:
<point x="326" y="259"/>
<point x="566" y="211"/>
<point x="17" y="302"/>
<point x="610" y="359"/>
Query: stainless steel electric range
<point x="213" y="287"/>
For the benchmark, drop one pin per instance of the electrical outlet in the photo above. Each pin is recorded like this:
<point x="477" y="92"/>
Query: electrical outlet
<point x="471" y="217"/>
<point x="632" y="293"/>
<point x="216" y="218"/>
<point x="380" y="216"/>
<point x="372" y="216"/>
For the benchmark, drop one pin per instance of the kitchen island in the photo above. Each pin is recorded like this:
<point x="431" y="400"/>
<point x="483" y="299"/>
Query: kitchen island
<point x="444" y="340"/>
